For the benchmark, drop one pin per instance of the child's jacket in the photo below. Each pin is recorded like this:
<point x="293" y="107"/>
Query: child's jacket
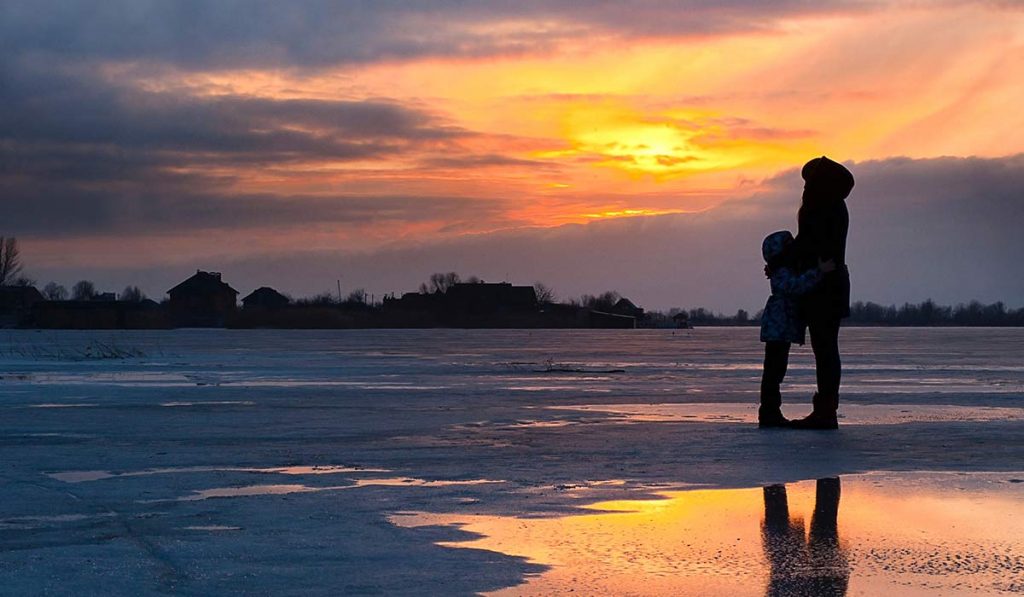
<point x="782" y="321"/>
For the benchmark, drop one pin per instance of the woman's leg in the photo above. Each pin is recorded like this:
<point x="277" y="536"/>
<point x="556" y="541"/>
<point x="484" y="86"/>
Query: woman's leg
<point x="828" y="366"/>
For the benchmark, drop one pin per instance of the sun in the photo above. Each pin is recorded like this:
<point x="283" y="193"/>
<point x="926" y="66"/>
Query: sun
<point x="663" y="145"/>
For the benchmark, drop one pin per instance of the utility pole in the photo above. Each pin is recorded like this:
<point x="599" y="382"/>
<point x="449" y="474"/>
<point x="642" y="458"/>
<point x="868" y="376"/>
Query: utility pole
<point x="339" y="290"/>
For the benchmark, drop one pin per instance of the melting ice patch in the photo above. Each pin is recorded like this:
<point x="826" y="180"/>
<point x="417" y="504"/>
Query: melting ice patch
<point x="284" y="489"/>
<point x="97" y="475"/>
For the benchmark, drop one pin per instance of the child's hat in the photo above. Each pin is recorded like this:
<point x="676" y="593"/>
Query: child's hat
<point x="774" y="243"/>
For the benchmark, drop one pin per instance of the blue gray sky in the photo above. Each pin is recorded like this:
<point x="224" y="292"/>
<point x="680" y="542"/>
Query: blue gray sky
<point x="645" y="147"/>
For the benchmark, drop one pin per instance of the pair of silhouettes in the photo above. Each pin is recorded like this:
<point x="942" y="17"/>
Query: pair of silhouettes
<point x="810" y="286"/>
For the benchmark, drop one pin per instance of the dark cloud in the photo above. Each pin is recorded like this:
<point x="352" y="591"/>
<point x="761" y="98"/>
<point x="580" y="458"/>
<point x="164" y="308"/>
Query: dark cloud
<point x="482" y="160"/>
<point x="83" y="157"/>
<point x="313" y="33"/>
<point x="60" y="210"/>
<point x="65" y="111"/>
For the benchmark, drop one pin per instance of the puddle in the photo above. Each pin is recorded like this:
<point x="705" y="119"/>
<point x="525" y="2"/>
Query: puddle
<point x="35" y="522"/>
<point x="116" y="378"/>
<point x="247" y="491"/>
<point x="539" y="424"/>
<point x="60" y="405"/>
<point x="876" y="534"/>
<point x="413" y="482"/>
<point x="360" y="385"/>
<point x="83" y="476"/>
<point x="850" y="414"/>
<point x="209" y="403"/>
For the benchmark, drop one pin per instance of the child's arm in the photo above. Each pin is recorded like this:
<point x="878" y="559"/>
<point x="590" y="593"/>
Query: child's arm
<point x="784" y="282"/>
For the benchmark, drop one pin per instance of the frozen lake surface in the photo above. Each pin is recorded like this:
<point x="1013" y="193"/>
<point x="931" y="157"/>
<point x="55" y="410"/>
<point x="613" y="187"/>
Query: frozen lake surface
<point x="523" y="461"/>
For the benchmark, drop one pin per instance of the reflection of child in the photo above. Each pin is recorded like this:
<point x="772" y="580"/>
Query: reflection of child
<point x="781" y="324"/>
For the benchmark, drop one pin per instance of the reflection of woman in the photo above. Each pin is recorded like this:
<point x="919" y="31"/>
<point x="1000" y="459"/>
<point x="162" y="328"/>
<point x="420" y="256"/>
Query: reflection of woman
<point x="815" y="566"/>
<point x="823" y="223"/>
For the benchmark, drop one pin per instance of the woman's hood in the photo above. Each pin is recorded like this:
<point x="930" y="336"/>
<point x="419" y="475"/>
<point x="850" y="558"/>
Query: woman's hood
<point x="827" y="179"/>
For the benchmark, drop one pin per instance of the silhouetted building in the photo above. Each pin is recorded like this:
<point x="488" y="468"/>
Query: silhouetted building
<point x="486" y="299"/>
<point x="624" y="306"/>
<point x="105" y="296"/>
<point x="413" y="301"/>
<point x="265" y="297"/>
<point x="16" y="303"/>
<point x="203" y="300"/>
<point x="500" y="305"/>
<point x="682" y="320"/>
<point x="600" y="319"/>
<point x="99" y="315"/>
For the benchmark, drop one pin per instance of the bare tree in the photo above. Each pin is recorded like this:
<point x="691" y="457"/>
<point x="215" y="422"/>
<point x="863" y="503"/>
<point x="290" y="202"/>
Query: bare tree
<point x="132" y="294"/>
<point x="10" y="260"/>
<point x="55" y="292"/>
<point x="323" y="299"/>
<point x="545" y="295"/>
<point x="602" y="302"/>
<point x="83" y="290"/>
<point x="442" y="282"/>
<point x="357" y="296"/>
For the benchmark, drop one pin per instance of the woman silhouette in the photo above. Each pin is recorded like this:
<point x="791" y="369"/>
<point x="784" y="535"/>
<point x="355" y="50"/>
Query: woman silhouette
<point x="823" y="223"/>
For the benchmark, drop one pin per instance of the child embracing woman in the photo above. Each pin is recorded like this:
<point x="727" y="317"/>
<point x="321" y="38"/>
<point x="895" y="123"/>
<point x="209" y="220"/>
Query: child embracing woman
<point x="782" y="323"/>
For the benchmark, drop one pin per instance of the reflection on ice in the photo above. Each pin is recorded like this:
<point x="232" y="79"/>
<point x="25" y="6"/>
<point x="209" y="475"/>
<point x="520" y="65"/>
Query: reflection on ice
<point x="798" y="563"/>
<point x="859" y="414"/>
<point x="867" y="535"/>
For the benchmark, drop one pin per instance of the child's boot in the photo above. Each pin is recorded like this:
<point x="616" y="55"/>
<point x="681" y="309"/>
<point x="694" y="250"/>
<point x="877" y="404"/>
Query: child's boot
<point x="769" y="414"/>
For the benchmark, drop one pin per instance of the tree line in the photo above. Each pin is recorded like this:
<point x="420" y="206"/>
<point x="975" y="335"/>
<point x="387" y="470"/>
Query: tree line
<point x="927" y="313"/>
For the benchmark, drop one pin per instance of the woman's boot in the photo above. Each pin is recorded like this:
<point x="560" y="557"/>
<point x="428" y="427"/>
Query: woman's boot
<point x="824" y="415"/>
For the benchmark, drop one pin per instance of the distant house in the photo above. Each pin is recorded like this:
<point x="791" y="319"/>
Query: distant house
<point x="204" y="300"/>
<point x="16" y="303"/>
<point x="105" y="296"/>
<point x="413" y="301"/>
<point x="682" y="320"/>
<point x="626" y="307"/>
<point x="483" y="298"/>
<point x="265" y="297"/>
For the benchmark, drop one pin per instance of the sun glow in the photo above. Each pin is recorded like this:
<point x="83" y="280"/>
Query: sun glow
<point x="593" y="128"/>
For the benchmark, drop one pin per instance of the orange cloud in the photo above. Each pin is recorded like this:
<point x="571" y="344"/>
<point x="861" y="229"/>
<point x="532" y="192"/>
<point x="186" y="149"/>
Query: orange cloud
<point x="592" y="123"/>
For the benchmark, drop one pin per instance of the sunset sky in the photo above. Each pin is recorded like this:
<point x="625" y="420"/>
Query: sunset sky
<point x="640" y="146"/>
